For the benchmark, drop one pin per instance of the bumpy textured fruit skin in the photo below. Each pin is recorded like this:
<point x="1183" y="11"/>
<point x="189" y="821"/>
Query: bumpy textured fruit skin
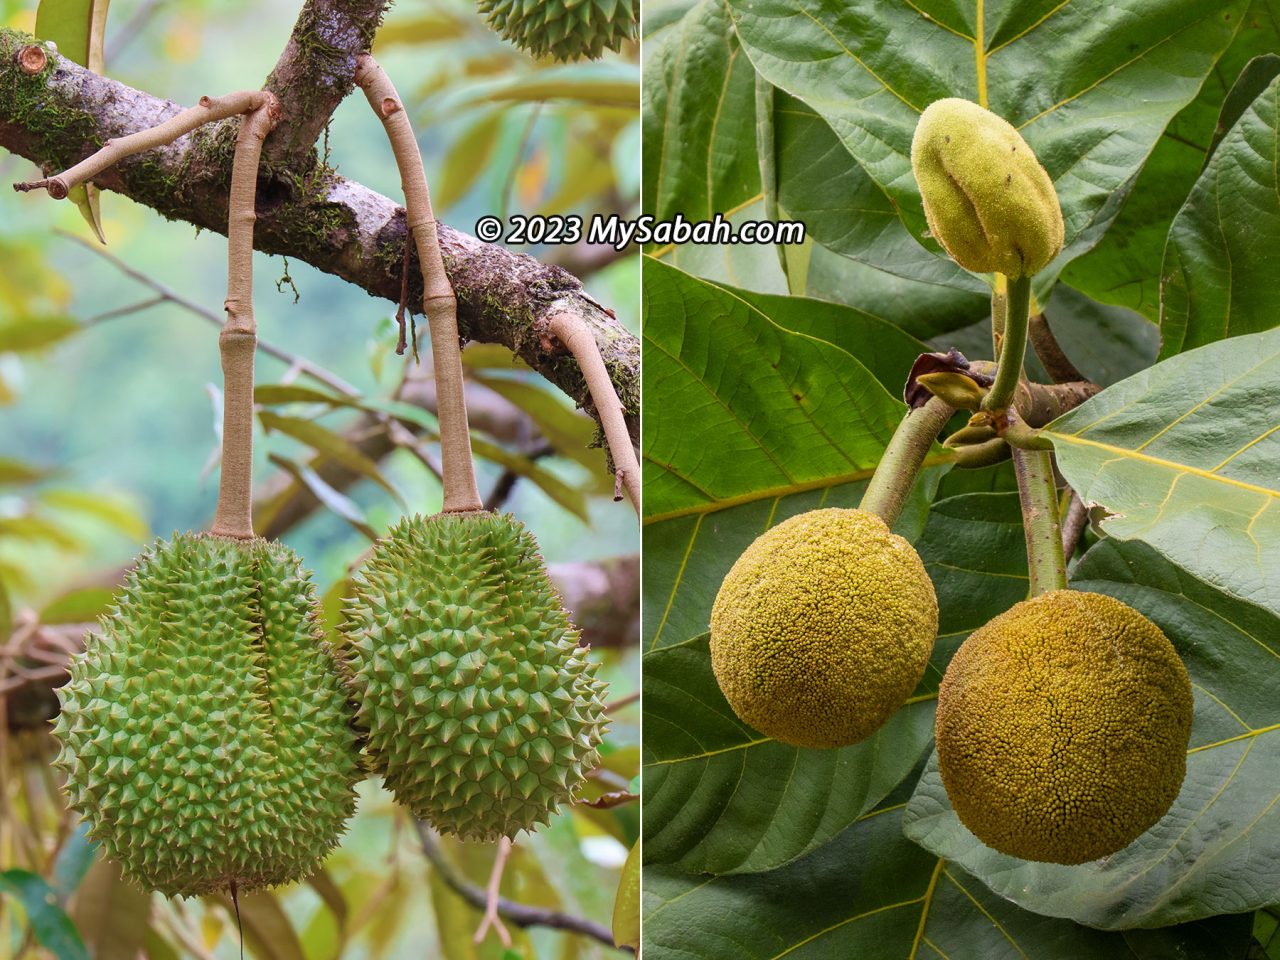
<point x="564" y="29"/>
<point x="988" y="200"/>
<point x="206" y="735"/>
<point x="483" y="714"/>
<point x="1062" y="728"/>
<point x="822" y="628"/>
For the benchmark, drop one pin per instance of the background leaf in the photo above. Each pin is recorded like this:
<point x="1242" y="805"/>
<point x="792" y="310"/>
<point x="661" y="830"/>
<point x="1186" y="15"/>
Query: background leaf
<point x="53" y="929"/>
<point x="858" y="66"/>
<point x="626" y="908"/>
<point x="1219" y="279"/>
<point x="112" y="915"/>
<point x="79" y="29"/>
<point x="34" y="333"/>
<point x="1183" y="455"/>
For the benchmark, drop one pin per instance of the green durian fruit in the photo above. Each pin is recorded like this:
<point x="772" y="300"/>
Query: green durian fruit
<point x="988" y="200"/>
<point x="483" y="715"/>
<point x="564" y="29"/>
<point x="207" y="736"/>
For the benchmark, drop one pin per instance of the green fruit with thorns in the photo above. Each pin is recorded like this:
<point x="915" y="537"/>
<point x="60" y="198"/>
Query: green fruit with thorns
<point x="206" y="731"/>
<point x="484" y="715"/>
<point x="564" y="29"/>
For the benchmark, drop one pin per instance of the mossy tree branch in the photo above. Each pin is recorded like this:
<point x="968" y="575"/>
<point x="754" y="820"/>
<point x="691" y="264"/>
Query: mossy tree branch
<point x="314" y="73"/>
<point x="64" y="113"/>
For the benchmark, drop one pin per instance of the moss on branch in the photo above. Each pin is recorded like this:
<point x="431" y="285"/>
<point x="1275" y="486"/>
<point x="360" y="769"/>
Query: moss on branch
<point x="307" y="212"/>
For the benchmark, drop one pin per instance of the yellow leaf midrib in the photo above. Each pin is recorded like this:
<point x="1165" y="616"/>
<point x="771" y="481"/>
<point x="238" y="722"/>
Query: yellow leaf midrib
<point x="1125" y="454"/>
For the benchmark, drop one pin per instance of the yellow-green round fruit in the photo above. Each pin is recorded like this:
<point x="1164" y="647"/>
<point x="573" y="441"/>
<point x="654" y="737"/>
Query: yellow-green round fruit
<point x="564" y="29"/>
<point x="484" y="715"/>
<point x="1062" y="728"/>
<point x="988" y="200"/>
<point x="206" y="733"/>
<point x="822" y="628"/>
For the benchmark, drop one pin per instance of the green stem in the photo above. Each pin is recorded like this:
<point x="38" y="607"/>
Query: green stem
<point x="1039" y="496"/>
<point x="896" y="474"/>
<point x="1013" y="344"/>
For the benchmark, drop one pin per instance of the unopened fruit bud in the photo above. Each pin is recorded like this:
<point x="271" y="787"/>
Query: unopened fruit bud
<point x="988" y="201"/>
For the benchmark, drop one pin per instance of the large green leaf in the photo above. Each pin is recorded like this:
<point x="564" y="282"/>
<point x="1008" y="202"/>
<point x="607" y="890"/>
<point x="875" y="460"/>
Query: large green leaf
<point x="871" y="893"/>
<point x="1093" y="117"/>
<point x="1218" y="848"/>
<point x="1124" y="268"/>
<point x="741" y="409"/>
<point x="1219" y="278"/>
<point x="721" y="798"/>
<point x="699" y="118"/>
<point x="1184" y="455"/>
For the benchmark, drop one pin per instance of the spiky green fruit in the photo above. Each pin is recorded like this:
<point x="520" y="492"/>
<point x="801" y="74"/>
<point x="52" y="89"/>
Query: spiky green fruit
<point x="206" y="733"/>
<point x="483" y="714"/>
<point x="563" y="29"/>
<point x="988" y="200"/>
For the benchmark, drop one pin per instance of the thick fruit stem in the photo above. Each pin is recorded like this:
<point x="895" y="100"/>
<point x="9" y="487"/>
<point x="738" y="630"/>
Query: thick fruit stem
<point x="891" y="484"/>
<point x="239" y="337"/>
<point x="1039" y="496"/>
<point x="438" y="301"/>
<point x="1013" y="344"/>
<point x="576" y="335"/>
<point x="234" y="517"/>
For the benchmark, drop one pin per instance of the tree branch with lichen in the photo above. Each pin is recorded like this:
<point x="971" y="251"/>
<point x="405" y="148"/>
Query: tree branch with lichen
<point x="63" y="113"/>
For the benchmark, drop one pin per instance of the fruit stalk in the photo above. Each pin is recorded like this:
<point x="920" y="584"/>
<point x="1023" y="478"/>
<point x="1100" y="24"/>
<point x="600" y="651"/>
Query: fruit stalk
<point x="239" y="336"/>
<point x="1039" y="497"/>
<point x="1013" y="343"/>
<point x="576" y="335"/>
<point x="891" y="483"/>
<point x="438" y="301"/>
<point x="260" y="112"/>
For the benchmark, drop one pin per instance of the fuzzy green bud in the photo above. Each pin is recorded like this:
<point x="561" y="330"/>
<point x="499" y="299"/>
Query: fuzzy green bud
<point x="988" y="200"/>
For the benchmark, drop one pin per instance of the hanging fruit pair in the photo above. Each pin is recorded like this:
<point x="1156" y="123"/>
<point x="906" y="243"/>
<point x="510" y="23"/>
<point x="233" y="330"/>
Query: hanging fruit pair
<point x="1062" y="725"/>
